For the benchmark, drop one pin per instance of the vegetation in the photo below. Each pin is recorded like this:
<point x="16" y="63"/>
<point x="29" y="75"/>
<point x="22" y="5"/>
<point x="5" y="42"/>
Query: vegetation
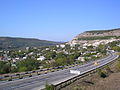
<point x="98" y="38"/>
<point x="116" y="48"/>
<point x="101" y="73"/>
<point x="114" y="43"/>
<point x="102" y="49"/>
<point x="4" y="67"/>
<point x="16" y="43"/>
<point x="108" y="69"/>
<point x="118" y="64"/>
<point x="27" y="65"/>
<point x="77" y="88"/>
<point x="21" y="66"/>
<point x="49" y="87"/>
<point x="62" y="59"/>
<point x="102" y="31"/>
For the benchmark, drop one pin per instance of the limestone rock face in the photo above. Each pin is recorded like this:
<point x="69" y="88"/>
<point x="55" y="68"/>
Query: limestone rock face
<point x="91" y="37"/>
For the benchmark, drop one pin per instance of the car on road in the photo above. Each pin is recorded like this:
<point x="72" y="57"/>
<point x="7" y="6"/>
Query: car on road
<point x="95" y="63"/>
<point x="75" y="72"/>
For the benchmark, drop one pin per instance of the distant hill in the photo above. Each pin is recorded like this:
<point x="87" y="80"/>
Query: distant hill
<point x="15" y="43"/>
<point x="91" y="36"/>
<point x="100" y="33"/>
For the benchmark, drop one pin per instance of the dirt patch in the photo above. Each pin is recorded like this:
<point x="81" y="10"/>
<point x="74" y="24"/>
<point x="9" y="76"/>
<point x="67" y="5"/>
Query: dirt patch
<point x="110" y="83"/>
<point x="94" y="82"/>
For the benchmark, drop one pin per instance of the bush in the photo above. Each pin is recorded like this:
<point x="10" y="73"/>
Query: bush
<point x="116" y="48"/>
<point x="107" y="68"/>
<point x="22" y="69"/>
<point x="4" y="67"/>
<point x="27" y="65"/>
<point x="49" y="87"/>
<point x="101" y="73"/>
<point x="118" y="64"/>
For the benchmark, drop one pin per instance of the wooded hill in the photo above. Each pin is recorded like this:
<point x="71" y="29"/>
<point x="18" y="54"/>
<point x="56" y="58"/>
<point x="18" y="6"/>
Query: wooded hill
<point x="15" y="43"/>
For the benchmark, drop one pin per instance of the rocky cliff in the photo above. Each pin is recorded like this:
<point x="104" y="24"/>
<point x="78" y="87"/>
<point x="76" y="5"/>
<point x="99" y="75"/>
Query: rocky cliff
<point x="91" y="37"/>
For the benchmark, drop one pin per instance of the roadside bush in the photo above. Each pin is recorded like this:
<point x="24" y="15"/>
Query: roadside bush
<point x="77" y="88"/>
<point x="101" y="73"/>
<point x="4" y="67"/>
<point x="49" y="87"/>
<point x="108" y="70"/>
<point x="118" y="64"/>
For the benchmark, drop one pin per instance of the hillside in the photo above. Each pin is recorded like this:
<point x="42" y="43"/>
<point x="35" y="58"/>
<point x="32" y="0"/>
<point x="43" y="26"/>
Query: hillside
<point x="100" y="33"/>
<point x="15" y="43"/>
<point x="95" y="35"/>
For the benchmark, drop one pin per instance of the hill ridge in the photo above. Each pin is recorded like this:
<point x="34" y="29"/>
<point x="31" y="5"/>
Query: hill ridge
<point x="18" y="42"/>
<point x="90" y="37"/>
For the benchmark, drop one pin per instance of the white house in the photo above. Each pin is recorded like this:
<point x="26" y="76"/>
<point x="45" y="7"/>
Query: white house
<point x="47" y="49"/>
<point x="17" y="58"/>
<point x="85" y="44"/>
<point x="14" y="60"/>
<point x="84" y="47"/>
<point x="38" y="54"/>
<point x="81" y="59"/>
<point x="24" y="57"/>
<point x="27" y="48"/>
<point x="31" y="53"/>
<point x="19" y="51"/>
<point x="54" y="50"/>
<point x="62" y="45"/>
<point x="57" y="46"/>
<point x="41" y="58"/>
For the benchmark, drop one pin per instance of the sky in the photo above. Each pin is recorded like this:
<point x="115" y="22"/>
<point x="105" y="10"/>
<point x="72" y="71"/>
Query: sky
<point x="57" y="20"/>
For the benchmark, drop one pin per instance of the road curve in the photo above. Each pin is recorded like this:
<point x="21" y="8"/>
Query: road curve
<point x="38" y="82"/>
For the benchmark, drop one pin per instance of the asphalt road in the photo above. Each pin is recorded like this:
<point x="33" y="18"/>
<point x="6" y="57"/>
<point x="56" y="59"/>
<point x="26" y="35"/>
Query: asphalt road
<point x="38" y="82"/>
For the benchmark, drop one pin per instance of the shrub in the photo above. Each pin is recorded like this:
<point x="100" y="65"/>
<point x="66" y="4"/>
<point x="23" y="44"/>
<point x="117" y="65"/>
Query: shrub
<point x="101" y="73"/>
<point x="77" y="88"/>
<point x="49" y="87"/>
<point x="118" y="64"/>
<point x="108" y="70"/>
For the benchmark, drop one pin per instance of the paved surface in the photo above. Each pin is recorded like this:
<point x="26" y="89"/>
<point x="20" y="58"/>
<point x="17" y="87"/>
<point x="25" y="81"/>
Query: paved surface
<point x="38" y="82"/>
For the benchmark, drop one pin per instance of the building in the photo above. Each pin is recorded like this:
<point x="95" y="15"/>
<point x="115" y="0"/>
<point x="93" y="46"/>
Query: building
<point x="41" y="58"/>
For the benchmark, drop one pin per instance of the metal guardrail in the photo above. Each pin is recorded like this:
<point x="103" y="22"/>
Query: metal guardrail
<point x="21" y="75"/>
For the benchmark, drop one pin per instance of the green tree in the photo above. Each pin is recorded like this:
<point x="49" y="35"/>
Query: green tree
<point x="101" y="49"/>
<point x="116" y="48"/>
<point x="22" y="69"/>
<point x="28" y="65"/>
<point x="61" y="61"/>
<point x="50" y="55"/>
<point x="4" y="67"/>
<point x="71" y="59"/>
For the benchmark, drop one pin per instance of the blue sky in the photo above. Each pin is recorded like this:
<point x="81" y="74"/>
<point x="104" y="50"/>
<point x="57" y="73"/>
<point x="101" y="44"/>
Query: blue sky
<point x="57" y="20"/>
